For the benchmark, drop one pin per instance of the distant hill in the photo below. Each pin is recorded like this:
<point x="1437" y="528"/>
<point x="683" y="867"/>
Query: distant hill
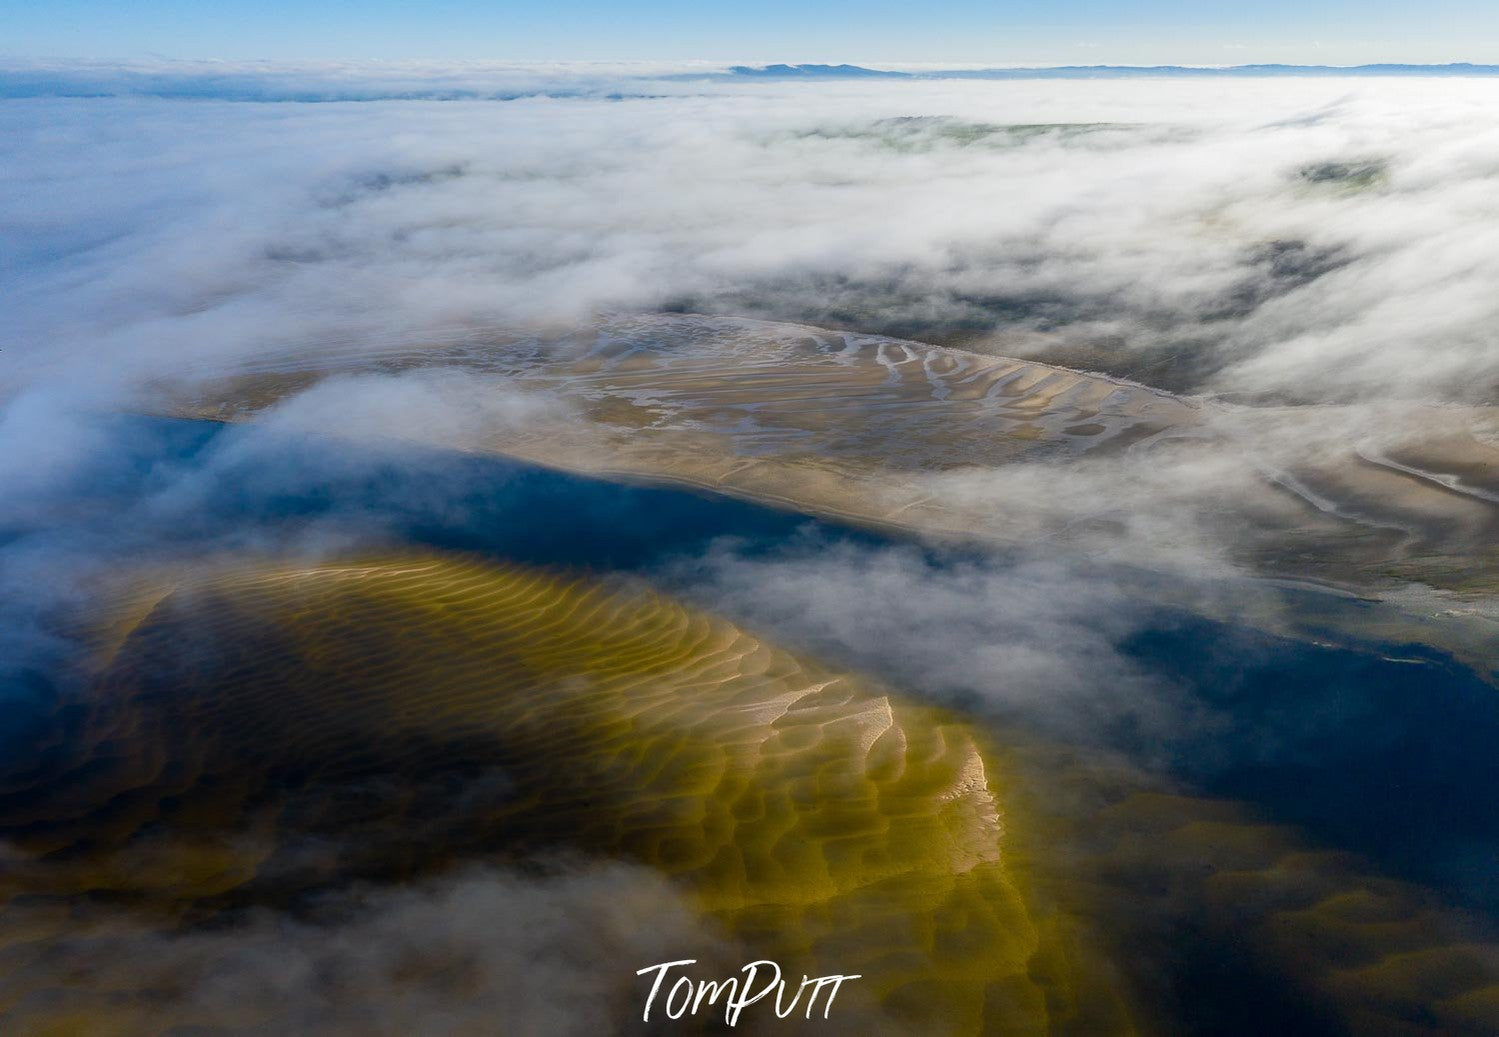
<point x="825" y="71"/>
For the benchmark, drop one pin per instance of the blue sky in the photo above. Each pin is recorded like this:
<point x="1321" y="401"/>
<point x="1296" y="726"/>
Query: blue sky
<point x="869" y="31"/>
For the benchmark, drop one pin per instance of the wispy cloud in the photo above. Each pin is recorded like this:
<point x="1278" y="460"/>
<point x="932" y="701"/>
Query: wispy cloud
<point x="1318" y="239"/>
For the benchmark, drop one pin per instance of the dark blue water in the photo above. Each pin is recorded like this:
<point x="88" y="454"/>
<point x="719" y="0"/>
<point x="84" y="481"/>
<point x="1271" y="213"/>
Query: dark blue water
<point x="1396" y="760"/>
<point x="174" y="485"/>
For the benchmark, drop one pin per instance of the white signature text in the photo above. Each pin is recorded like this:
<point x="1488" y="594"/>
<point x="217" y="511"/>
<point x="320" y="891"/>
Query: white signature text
<point x="686" y="995"/>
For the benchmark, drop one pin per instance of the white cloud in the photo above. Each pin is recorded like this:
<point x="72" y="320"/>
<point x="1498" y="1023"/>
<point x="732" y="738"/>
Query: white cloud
<point x="483" y="950"/>
<point x="146" y="232"/>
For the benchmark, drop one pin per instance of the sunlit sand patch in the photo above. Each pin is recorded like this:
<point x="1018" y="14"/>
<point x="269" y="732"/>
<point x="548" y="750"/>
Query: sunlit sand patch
<point x="764" y="390"/>
<point x="259" y="731"/>
<point x="908" y="435"/>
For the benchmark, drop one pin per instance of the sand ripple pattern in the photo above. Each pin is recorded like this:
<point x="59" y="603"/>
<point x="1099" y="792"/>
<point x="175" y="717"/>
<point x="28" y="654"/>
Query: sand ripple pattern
<point x="911" y="435"/>
<point x="259" y="731"/>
